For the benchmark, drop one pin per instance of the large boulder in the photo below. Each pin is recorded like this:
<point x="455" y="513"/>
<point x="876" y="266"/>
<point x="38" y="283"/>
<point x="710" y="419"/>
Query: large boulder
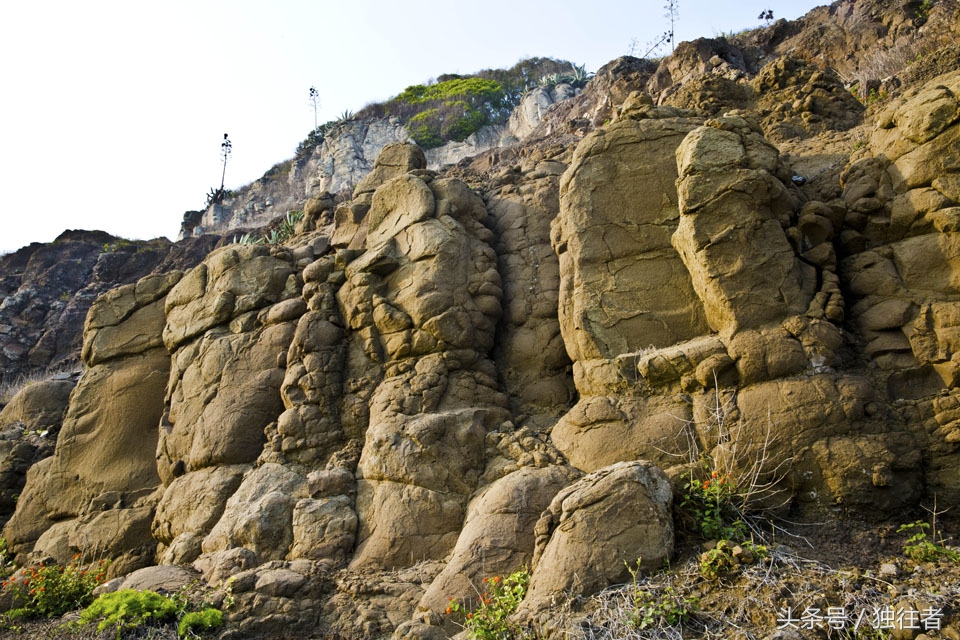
<point x="599" y="527"/>
<point x="96" y="494"/>
<point x="28" y="427"/>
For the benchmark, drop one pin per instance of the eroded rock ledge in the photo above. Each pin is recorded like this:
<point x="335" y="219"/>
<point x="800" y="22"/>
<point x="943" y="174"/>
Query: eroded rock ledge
<point x="441" y="386"/>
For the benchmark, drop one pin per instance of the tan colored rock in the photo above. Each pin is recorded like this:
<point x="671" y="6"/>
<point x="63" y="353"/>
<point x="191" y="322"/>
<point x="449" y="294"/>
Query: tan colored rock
<point x="530" y="353"/>
<point x="324" y="528"/>
<point x="394" y="160"/>
<point x="602" y="430"/>
<point x="221" y="400"/>
<point x="191" y="506"/>
<point x="230" y="282"/>
<point x="163" y="578"/>
<point x="99" y="485"/>
<point x="38" y="406"/>
<point x="499" y="528"/>
<point x="730" y="236"/>
<point x="397" y="204"/>
<point x="622" y="285"/>
<point x="868" y="471"/>
<point x="424" y="300"/>
<point x="259" y="515"/>
<point x="596" y="528"/>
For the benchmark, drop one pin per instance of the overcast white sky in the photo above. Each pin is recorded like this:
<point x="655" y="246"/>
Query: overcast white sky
<point x="112" y="112"/>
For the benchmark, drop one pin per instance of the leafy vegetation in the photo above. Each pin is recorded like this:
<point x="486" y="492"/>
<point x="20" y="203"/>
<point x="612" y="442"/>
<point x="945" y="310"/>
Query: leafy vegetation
<point x="127" y="609"/>
<point x="203" y="620"/>
<point x="921" y="548"/>
<point x="726" y="556"/>
<point x="455" y="106"/>
<point x="712" y="505"/>
<point x="279" y="235"/>
<point x="656" y="608"/>
<point x="51" y="590"/>
<point x="501" y="598"/>
<point x="131" y="609"/>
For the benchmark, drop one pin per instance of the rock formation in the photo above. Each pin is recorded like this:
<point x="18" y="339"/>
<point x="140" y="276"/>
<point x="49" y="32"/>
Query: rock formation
<point x="516" y="362"/>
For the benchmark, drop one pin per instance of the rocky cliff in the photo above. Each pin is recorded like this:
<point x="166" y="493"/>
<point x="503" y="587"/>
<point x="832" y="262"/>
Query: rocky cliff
<point x="725" y="259"/>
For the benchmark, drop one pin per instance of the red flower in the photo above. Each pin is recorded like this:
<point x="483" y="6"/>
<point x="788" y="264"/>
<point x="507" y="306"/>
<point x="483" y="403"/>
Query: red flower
<point x="706" y="484"/>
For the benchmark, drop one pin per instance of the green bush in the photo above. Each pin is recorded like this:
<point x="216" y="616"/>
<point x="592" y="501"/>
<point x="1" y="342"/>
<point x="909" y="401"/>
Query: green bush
<point x="52" y="590"/>
<point x="922" y="549"/>
<point x="128" y="609"/>
<point x="452" y="109"/>
<point x="204" y="620"/>
<point x="711" y="503"/>
<point x="501" y="598"/>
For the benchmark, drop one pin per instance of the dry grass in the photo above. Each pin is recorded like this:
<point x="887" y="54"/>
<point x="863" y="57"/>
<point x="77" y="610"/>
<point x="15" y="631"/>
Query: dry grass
<point x="753" y="602"/>
<point x="12" y="385"/>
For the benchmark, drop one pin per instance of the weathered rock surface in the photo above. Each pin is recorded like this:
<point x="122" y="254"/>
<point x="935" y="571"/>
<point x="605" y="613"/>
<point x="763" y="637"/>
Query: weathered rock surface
<point x="447" y="379"/>
<point x="29" y="424"/>
<point x="46" y="290"/>
<point x="97" y="492"/>
<point x="592" y="527"/>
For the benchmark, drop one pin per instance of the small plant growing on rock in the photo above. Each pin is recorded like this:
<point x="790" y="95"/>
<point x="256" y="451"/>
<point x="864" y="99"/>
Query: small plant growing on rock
<point x="203" y="620"/>
<point x="654" y="609"/>
<point x="51" y="590"/>
<point x="726" y="556"/>
<point x="921" y="548"/>
<point x="276" y="236"/>
<point x="127" y="609"/>
<point x="712" y="505"/>
<point x="501" y="598"/>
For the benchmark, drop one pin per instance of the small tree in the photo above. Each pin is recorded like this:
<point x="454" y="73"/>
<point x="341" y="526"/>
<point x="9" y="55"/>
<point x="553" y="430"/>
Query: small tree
<point x="226" y="148"/>
<point x="314" y="102"/>
<point x="766" y="16"/>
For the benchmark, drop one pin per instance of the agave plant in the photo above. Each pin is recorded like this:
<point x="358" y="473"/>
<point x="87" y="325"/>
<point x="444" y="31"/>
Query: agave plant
<point x="550" y="80"/>
<point x="579" y="76"/>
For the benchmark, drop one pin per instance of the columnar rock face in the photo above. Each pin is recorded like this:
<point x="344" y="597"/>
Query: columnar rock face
<point x="623" y="287"/>
<point x="423" y="301"/>
<point x="356" y="427"/>
<point x="902" y="241"/>
<point x="530" y="354"/>
<point x="97" y="492"/>
<point x="731" y="237"/>
<point x="227" y="323"/>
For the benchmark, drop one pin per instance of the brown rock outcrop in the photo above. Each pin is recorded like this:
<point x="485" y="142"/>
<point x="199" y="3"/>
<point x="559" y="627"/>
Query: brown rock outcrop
<point x="596" y="527"/>
<point x="97" y="492"/>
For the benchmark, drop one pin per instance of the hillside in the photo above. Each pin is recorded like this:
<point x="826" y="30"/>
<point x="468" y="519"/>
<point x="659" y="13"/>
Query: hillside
<point x="671" y="354"/>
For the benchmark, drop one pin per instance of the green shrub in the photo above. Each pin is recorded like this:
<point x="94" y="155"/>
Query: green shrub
<point x="452" y="109"/>
<point x="7" y="565"/>
<point x="52" y="590"/>
<point x="711" y="503"/>
<point x="203" y="620"/>
<point x="724" y="557"/>
<point x="501" y="598"/>
<point x="281" y="234"/>
<point x="920" y="548"/>
<point x="128" y="609"/>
